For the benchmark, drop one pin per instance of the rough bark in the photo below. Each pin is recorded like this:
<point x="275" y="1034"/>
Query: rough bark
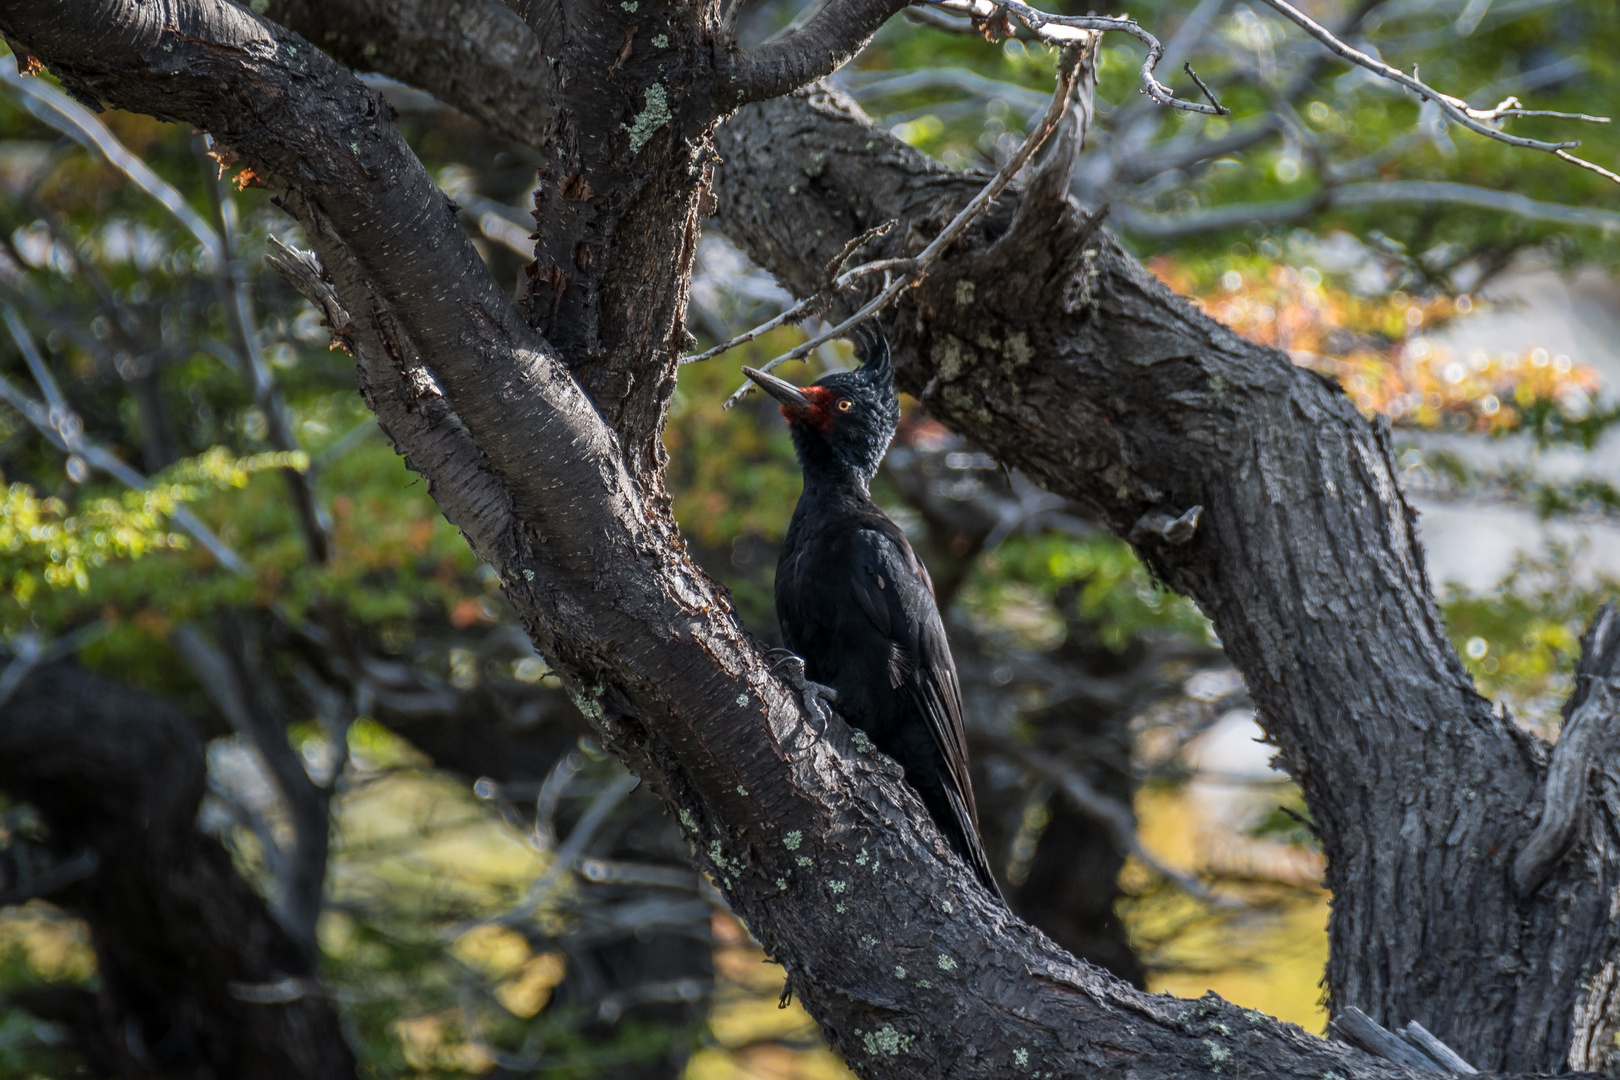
<point x="1077" y="367"/>
<point x="1061" y="356"/>
<point x="479" y="57"/>
<point x="182" y="942"/>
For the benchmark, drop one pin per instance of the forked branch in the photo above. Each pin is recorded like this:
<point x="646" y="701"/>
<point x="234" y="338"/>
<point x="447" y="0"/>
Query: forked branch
<point x="902" y="274"/>
<point x="1591" y="724"/>
<point x="1066" y="30"/>
<point x="1458" y="111"/>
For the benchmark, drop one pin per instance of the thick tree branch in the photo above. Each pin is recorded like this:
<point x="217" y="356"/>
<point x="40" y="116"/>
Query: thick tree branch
<point x="476" y="55"/>
<point x="824" y="43"/>
<point x="1059" y="355"/>
<point x="1591" y="726"/>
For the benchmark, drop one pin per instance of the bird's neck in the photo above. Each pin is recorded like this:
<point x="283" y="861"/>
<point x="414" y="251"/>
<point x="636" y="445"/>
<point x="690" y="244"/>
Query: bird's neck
<point x="831" y="474"/>
<point x="832" y="482"/>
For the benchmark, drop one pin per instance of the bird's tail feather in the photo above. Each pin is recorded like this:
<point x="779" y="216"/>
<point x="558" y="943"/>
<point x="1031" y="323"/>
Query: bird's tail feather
<point x="972" y="847"/>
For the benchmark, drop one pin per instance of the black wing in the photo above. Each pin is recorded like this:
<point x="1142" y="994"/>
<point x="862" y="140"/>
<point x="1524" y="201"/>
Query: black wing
<point x="894" y="591"/>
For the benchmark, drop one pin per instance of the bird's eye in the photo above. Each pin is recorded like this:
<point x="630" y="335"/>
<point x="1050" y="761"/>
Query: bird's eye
<point x="844" y="404"/>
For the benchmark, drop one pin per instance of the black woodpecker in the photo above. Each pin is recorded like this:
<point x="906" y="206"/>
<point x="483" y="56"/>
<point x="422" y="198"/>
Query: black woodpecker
<point x="857" y="605"/>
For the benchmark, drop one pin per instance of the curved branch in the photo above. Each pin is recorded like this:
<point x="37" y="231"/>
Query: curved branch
<point x="1420" y="192"/>
<point x="1456" y="110"/>
<point x="1059" y="355"/>
<point x="1064" y="30"/>
<point x="827" y="41"/>
<point x="476" y="55"/>
<point x="1591" y="724"/>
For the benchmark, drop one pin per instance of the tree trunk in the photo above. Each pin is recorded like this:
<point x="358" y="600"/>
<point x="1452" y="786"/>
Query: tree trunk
<point x="196" y="977"/>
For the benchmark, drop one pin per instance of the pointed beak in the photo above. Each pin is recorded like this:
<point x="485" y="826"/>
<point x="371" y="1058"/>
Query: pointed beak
<point x="780" y="389"/>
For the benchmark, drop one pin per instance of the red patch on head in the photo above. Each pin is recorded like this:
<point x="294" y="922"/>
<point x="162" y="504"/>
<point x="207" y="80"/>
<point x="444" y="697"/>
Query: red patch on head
<point x="820" y="413"/>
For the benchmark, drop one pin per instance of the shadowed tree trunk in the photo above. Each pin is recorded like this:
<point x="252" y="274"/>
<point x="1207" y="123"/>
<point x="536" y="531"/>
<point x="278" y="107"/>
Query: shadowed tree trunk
<point x="197" y="978"/>
<point x="1041" y="341"/>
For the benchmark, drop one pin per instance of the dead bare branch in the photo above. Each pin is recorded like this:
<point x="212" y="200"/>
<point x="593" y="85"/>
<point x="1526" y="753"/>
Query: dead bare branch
<point x="911" y="271"/>
<point x="1455" y="109"/>
<point x="1067" y="30"/>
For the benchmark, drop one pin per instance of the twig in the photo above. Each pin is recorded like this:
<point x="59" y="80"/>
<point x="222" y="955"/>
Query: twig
<point x="1064" y="30"/>
<point x="51" y="106"/>
<point x="915" y="269"/>
<point x="1118" y="818"/>
<point x="1457" y="110"/>
<point x="236" y="299"/>
<point x="1187" y="67"/>
<point x="60" y="876"/>
<point x="1364" y="194"/>
<point x="802" y="309"/>
<point x="30" y="654"/>
<point x="928" y="16"/>
<point x="65" y="430"/>
<point x="572" y="849"/>
<point x="835" y="266"/>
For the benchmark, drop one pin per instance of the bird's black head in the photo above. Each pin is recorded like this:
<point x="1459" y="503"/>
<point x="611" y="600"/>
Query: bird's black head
<point x="841" y="423"/>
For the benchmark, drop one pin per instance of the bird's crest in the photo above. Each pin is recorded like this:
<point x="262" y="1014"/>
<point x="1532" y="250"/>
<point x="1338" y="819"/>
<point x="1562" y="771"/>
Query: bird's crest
<point x="876" y="363"/>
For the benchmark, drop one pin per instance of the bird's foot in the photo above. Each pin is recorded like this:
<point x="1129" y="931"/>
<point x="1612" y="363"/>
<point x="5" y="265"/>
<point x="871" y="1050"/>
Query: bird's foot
<point x="816" y="696"/>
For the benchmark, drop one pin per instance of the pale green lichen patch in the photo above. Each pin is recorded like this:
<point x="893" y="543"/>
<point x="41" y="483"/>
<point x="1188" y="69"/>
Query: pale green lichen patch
<point x="862" y="742"/>
<point x="653" y="117"/>
<point x="946" y="963"/>
<point x="886" y="1040"/>
<point x="792" y="840"/>
<point x="1217" y="1052"/>
<point x="660" y="42"/>
<point x="964" y="292"/>
<point x="803" y="860"/>
<point x="781" y="883"/>
<point x="956" y="357"/>
<point x="742" y="701"/>
<point x="1019" y="348"/>
<point x="589" y="706"/>
<point x="899" y="971"/>
<point x="837" y="886"/>
<point x="528" y="575"/>
<point x="630" y="6"/>
<point x="742" y="791"/>
<point x="1021" y="1056"/>
<point x="945" y="906"/>
<point x="688" y="820"/>
<point x="862" y="858"/>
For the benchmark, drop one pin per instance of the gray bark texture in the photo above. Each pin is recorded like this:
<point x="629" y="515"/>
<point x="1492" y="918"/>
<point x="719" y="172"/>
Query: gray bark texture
<point x="1039" y="339"/>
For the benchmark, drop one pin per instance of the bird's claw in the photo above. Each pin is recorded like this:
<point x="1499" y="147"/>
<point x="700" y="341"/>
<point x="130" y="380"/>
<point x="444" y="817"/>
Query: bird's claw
<point x="816" y="696"/>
